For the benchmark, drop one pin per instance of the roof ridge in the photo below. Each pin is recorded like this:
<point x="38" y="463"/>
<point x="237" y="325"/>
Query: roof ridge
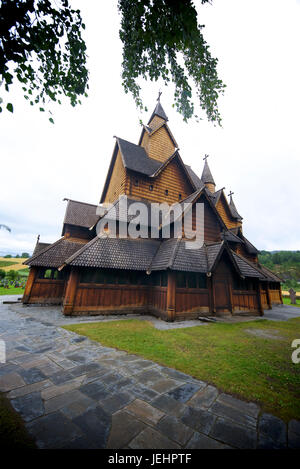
<point x="44" y="250"/>
<point x="248" y="262"/>
<point x="71" y="258"/>
<point x="79" y="202"/>
<point x="174" y="254"/>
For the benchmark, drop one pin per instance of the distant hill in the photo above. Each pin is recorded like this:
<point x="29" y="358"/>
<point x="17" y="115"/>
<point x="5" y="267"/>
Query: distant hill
<point x="284" y="263"/>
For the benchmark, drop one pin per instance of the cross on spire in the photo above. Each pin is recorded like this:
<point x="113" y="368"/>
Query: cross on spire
<point x="205" y="157"/>
<point x="230" y="194"/>
<point x="159" y="95"/>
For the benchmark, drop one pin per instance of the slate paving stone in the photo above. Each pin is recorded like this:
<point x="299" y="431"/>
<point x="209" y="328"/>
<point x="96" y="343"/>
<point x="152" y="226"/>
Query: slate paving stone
<point x="152" y="439"/>
<point x="29" y="388"/>
<point x="54" y="391"/>
<point x="164" y="385"/>
<point x="223" y="410"/>
<point x="205" y="397"/>
<point x="168" y="405"/>
<point x="181" y="376"/>
<point x="199" y="419"/>
<point x="88" y="369"/>
<point x="184" y="392"/>
<point x="29" y="406"/>
<point x="174" y="429"/>
<point x="117" y="401"/>
<point x="96" y="390"/>
<point x="78" y="407"/>
<point x="61" y="377"/>
<point x="274" y="428"/>
<point x="10" y="381"/>
<point x="111" y="378"/>
<point x="79" y="443"/>
<point x="249" y="408"/>
<point x="294" y="434"/>
<point x="294" y="440"/>
<point x="124" y="428"/>
<point x="200" y="441"/>
<point x="144" y="411"/>
<point x="32" y="375"/>
<point x="149" y="376"/>
<point x="53" y="430"/>
<point x="234" y="435"/>
<point x="95" y="424"/>
<point x="9" y="368"/>
<point x="122" y="384"/>
<point x="143" y="392"/>
<point x="57" y="402"/>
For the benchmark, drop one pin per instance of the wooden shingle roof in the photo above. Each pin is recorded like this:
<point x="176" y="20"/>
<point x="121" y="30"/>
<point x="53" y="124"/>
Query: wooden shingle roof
<point x="80" y="214"/>
<point x="56" y="254"/>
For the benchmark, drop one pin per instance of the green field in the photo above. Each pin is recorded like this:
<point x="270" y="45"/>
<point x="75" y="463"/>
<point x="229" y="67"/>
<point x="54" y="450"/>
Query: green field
<point x="11" y="291"/>
<point x="254" y="366"/>
<point x="6" y="263"/>
<point x="287" y="301"/>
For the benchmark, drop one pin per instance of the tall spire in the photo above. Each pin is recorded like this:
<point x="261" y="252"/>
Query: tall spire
<point x="158" y="111"/>
<point x="206" y="177"/>
<point x="233" y="209"/>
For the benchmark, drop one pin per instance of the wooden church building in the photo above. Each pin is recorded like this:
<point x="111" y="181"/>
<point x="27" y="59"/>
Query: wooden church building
<point x="91" y="274"/>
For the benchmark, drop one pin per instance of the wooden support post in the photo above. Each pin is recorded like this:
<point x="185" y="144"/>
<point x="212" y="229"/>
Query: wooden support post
<point x="260" y="306"/>
<point x="268" y="296"/>
<point x="230" y="295"/>
<point x="29" y="284"/>
<point x="72" y="283"/>
<point x="280" y="294"/>
<point x="171" y="296"/>
<point x="210" y="295"/>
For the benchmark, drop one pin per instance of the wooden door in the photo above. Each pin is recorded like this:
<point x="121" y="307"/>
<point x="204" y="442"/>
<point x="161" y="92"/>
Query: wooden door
<point x="222" y="294"/>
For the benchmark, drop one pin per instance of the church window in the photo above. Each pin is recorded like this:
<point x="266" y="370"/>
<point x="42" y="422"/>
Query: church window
<point x="151" y="187"/>
<point x="180" y="197"/>
<point x="166" y="192"/>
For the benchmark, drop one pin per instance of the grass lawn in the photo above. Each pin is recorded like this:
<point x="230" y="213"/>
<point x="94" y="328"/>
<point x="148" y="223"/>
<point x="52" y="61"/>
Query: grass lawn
<point x="287" y="301"/>
<point x="13" y="434"/>
<point x="254" y="368"/>
<point x="11" y="291"/>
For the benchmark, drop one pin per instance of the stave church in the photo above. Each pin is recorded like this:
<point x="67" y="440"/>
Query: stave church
<point x="91" y="274"/>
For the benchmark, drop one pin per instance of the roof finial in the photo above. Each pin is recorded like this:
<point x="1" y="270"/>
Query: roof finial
<point x="230" y="194"/>
<point x="205" y="156"/>
<point x="38" y="238"/>
<point x="159" y="95"/>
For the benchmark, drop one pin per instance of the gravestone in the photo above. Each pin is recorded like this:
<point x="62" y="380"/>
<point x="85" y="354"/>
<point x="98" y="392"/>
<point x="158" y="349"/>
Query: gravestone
<point x="292" y="296"/>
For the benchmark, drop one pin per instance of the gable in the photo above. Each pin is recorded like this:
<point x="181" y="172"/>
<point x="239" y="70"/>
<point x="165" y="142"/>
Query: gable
<point x="116" y="179"/>
<point x="172" y="178"/>
<point x="160" y="144"/>
<point x="224" y="211"/>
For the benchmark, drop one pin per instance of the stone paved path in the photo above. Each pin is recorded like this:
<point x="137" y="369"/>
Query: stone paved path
<point x="75" y="393"/>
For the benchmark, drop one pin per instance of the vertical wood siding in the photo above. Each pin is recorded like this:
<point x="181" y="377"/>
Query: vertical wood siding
<point x="171" y="178"/>
<point x="47" y="291"/>
<point x="117" y="184"/>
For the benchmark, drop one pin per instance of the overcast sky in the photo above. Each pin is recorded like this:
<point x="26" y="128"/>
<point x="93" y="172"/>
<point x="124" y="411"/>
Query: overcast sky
<point x="255" y="154"/>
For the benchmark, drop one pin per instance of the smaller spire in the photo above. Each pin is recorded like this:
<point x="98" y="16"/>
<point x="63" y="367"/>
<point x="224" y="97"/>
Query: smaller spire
<point x="158" y="111"/>
<point x="233" y="209"/>
<point x="206" y="177"/>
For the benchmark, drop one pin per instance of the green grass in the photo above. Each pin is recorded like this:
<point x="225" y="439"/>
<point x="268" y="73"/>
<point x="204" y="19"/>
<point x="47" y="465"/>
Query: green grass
<point x="250" y="367"/>
<point x="287" y="301"/>
<point x="13" y="434"/>
<point x="6" y="263"/>
<point x="11" y="291"/>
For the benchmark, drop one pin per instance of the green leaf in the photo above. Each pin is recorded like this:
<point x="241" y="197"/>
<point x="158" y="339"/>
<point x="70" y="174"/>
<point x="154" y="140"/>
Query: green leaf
<point x="42" y="109"/>
<point x="10" y="107"/>
<point x="51" y="120"/>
